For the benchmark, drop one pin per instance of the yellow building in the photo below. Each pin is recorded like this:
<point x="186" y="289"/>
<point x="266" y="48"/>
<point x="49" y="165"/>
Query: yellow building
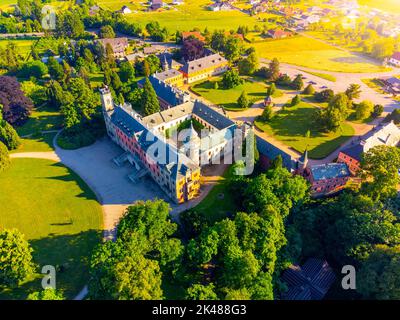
<point x="172" y="77"/>
<point x="204" y="68"/>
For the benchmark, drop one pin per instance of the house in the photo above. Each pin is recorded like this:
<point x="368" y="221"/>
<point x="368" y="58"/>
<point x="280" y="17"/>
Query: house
<point x="204" y="68"/>
<point x="278" y="34"/>
<point x="177" y="2"/>
<point x="118" y="45"/>
<point x="326" y="178"/>
<point x="167" y="62"/>
<point x="93" y="10"/>
<point x="125" y="10"/>
<point x="386" y="134"/>
<point x="220" y="6"/>
<point x="156" y="4"/>
<point x="175" y="168"/>
<point x="194" y="34"/>
<point x="308" y="282"/>
<point x="395" y="59"/>
<point x="391" y="84"/>
<point x="153" y="49"/>
<point x="170" y="76"/>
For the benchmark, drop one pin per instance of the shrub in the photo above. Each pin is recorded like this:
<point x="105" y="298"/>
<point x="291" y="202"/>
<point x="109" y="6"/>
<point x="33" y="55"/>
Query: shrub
<point x="4" y="157"/>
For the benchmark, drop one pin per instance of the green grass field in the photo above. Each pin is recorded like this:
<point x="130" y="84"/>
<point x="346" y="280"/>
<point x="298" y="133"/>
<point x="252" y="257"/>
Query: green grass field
<point x="291" y="125"/>
<point x="227" y="98"/>
<point x="325" y="76"/>
<point x="37" y="143"/>
<point x="191" y="14"/>
<point x="42" y="119"/>
<point x="57" y="213"/>
<point x="391" y="6"/>
<point x="219" y="203"/>
<point x="307" y="52"/>
<point x="23" y="46"/>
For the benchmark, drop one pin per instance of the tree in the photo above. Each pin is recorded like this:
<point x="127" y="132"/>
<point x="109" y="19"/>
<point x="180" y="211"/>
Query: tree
<point x="271" y="90"/>
<point x="380" y="165"/>
<point x="284" y="80"/>
<point x="56" y="96"/>
<point x="150" y="103"/>
<point x="364" y="110"/>
<point x="201" y="292"/>
<point x="106" y="31"/>
<point x="55" y="69"/>
<point x="324" y="96"/>
<point x="267" y="113"/>
<point x="9" y="136"/>
<point x="70" y="24"/>
<point x="4" y="157"/>
<point x="137" y="278"/>
<point x="233" y="48"/>
<point x="15" y="256"/>
<point x="243" y="100"/>
<point x="378" y="110"/>
<point x="394" y="116"/>
<point x="295" y="100"/>
<point x="273" y="71"/>
<point x="231" y="79"/>
<point x="309" y="90"/>
<point x="46" y="294"/>
<point x="337" y="111"/>
<point x="353" y="91"/>
<point x="379" y="276"/>
<point x="35" y="69"/>
<point x="297" y="82"/>
<point x="126" y="71"/>
<point x="192" y="49"/>
<point x="248" y="65"/>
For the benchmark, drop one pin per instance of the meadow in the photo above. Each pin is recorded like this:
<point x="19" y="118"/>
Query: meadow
<point x="311" y="53"/>
<point x="391" y="6"/>
<point x="227" y="98"/>
<point x="291" y="125"/>
<point x="58" y="214"/>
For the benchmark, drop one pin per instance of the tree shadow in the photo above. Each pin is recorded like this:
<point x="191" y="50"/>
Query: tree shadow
<point x="69" y="254"/>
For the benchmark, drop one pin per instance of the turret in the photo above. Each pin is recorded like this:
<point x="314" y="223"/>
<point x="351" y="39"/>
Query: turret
<point x="107" y="100"/>
<point x="193" y="144"/>
<point x="165" y="65"/>
<point x="303" y="161"/>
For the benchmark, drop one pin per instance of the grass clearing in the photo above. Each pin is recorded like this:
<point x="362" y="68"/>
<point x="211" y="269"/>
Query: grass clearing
<point x="59" y="215"/>
<point x="391" y="6"/>
<point x="227" y="98"/>
<point x="41" y="119"/>
<point x="311" y="53"/>
<point x="191" y="14"/>
<point x="291" y="125"/>
<point x="220" y="202"/>
<point x="325" y="76"/>
<point x="37" y="143"/>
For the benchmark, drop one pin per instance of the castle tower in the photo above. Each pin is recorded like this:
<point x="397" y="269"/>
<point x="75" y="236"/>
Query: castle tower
<point x="193" y="145"/>
<point x="107" y="100"/>
<point x="165" y="65"/>
<point x="303" y="161"/>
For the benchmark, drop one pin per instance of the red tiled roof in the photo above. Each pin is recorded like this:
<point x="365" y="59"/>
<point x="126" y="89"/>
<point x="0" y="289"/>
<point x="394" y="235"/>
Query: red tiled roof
<point x="396" y="56"/>
<point x="196" y="34"/>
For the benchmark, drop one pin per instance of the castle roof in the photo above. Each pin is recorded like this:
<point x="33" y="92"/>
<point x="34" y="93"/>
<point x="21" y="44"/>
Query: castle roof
<point x="329" y="171"/>
<point x="126" y="122"/>
<point x="203" y="63"/>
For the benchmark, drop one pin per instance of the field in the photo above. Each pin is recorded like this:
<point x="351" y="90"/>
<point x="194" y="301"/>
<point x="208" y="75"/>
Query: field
<point x="291" y="125"/>
<point x="7" y="5"/>
<point x="311" y="53"/>
<point x="23" y="46"/>
<point x="37" y="143"/>
<point x="191" y="14"/>
<point x="391" y="6"/>
<point x="57" y="213"/>
<point x="227" y="98"/>
<point x="219" y="203"/>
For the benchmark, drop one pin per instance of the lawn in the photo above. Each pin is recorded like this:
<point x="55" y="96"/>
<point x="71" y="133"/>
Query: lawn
<point x="311" y="53"/>
<point x="291" y="125"/>
<point x="58" y="214"/>
<point x="219" y="202"/>
<point x="37" y="143"/>
<point x="325" y="76"/>
<point x="23" y="46"/>
<point x="191" y="14"/>
<point x="391" y="6"/>
<point x="227" y="98"/>
<point x="42" y="119"/>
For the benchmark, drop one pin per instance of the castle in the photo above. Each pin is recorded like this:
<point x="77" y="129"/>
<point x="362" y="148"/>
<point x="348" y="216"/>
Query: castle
<point x="174" y="164"/>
